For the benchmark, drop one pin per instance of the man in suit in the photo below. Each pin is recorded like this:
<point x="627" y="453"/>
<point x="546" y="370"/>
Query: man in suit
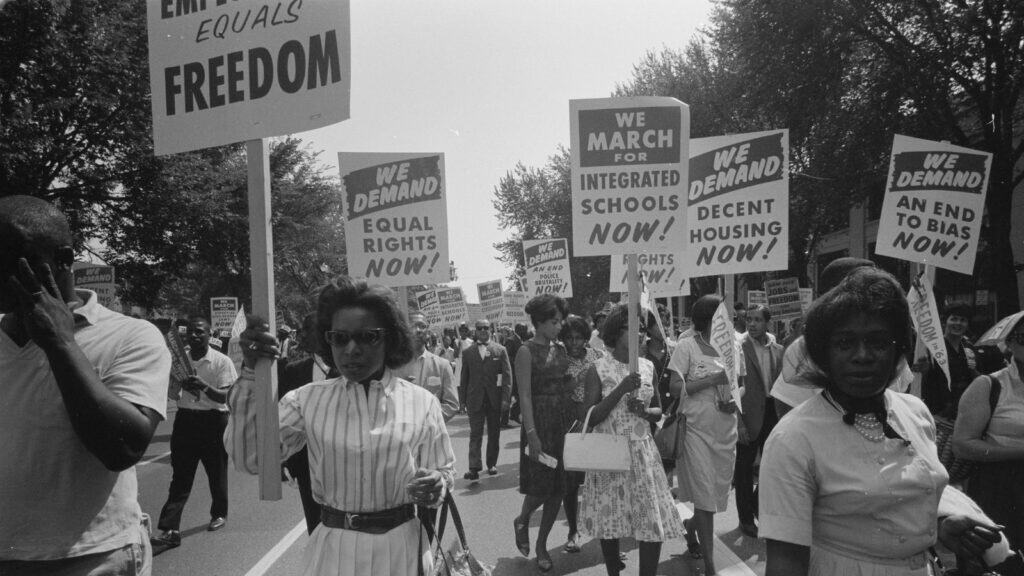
<point x="428" y="370"/>
<point x="312" y="368"/>
<point x="763" y="356"/>
<point x="486" y="371"/>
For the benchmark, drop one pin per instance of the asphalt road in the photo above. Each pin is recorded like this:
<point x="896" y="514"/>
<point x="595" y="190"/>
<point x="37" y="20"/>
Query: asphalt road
<point x="267" y="538"/>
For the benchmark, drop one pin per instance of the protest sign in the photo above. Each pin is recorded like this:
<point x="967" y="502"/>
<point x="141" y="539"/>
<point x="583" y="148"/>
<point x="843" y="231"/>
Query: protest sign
<point x="223" y="310"/>
<point x="547" y="267"/>
<point x="396" y="220"/>
<point x="806" y="297"/>
<point x="426" y="302"/>
<point x="784" y="298"/>
<point x="514" y="310"/>
<point x="99" y="279"/>
<point x="181" y="366"/>
<point x="723" y="339"/>
<point x="224" y="72"/>
<point x="491" y="300"/>
<point x="474" y="312"/>
<point x="738" y="203"/>
<point x="662" y="274"/>
<point x="452" y="306"/>
<point x="234" y="345"/>
<point x="925" y="314"/>
<point x="934" y="201"/>
<point x="629" y="174"/>
<point x="756" y="297"/>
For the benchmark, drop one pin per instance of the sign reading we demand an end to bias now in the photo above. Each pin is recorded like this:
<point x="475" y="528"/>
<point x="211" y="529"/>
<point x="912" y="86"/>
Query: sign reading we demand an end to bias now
<point x="225" y="71"/>
<point x="547" y="267"/>
<point x="629" y="167"/>
<point x="934" y="201"/>
<point x="396" y="219"/>
<point x="738" y="203"/>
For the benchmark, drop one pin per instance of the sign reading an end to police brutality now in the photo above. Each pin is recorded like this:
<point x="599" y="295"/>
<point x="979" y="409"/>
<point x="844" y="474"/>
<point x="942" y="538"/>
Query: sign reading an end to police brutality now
<point x="934" y="201"/>
<point x="547" y="267"/>
<point x="396" y="220"/>
<point x="663" y="274"/>
<point x="629" y="175"/>
<point x="223" y="72"/>
<point x="738" y="203"/>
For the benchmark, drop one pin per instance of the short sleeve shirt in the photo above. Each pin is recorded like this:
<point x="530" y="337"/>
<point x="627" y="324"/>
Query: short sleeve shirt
<point x="822" y="484"/>
<point x="218" y="371"/>
<point x="56" y="499"/>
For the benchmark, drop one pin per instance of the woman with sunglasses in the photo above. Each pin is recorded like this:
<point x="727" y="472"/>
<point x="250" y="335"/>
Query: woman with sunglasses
<point x="850" y="480"/>
<point x="378" y="445"/>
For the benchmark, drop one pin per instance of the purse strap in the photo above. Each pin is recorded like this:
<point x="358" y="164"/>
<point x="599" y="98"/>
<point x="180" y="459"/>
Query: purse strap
<point x="586" y="421"/>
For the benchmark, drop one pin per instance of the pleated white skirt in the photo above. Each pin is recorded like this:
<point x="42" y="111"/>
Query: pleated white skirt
<point x="337" y="552"/>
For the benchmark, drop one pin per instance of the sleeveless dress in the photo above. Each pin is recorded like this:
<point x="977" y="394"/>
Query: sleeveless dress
<point x="709" y="446"/>
<point x="553" y="414"/>
<point x="638" y="503"/>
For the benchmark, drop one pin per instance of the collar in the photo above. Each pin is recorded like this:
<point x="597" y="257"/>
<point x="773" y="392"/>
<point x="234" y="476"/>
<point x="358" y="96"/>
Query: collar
<point x="387" y="382"/>
<point x="205" y="357"/>
<point x="88" y="312"/>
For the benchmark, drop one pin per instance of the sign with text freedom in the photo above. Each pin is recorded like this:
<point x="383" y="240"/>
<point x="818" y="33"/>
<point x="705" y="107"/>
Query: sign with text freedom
<point x="934" y="201"/>
<point x="629" y="174"/>
<point x="223" y="72"/>
<point x="396" y="217"/>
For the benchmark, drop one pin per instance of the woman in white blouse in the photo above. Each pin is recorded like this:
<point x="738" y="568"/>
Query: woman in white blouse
<point x="378" y="445"/>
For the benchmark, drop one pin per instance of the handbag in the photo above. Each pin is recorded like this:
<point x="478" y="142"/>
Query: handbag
<point x="596" y="452"/>
<point x="960" y="469"/>
<point x="669" y="438"/>
<point x="457" y="560"/>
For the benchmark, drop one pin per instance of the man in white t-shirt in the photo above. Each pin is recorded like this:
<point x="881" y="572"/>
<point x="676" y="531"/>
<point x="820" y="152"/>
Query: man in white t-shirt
<point x="83" y="391"/>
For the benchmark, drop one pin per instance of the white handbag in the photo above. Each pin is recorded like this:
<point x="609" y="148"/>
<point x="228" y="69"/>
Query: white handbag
<point x="596" y="452"/>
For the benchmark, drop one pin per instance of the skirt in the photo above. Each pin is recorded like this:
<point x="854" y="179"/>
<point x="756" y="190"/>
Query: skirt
<point x="337" y="552"/>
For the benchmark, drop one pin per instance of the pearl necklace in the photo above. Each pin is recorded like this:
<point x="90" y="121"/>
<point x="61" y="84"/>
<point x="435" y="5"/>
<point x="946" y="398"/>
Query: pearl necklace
<point x="869" y="427"/>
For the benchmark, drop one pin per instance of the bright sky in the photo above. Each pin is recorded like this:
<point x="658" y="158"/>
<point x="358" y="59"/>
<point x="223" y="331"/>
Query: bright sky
<point x="488" y="83"/>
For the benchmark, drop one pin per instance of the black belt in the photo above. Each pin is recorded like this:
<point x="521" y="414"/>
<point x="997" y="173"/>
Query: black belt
<point x="371" y="522"/>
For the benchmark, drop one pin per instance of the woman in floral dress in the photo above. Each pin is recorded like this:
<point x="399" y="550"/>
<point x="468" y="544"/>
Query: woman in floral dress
<point x="635" y="504"/>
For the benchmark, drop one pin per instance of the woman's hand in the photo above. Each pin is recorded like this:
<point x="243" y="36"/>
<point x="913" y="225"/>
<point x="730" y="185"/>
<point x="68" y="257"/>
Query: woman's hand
<point x="257" y="342"/>
<point x="535" y="448"/>
<point x="426" y="486"/>
<point x="967" y="536"/>
<point x="630" y="383"/>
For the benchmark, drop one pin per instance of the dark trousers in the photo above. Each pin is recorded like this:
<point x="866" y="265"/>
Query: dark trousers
<point x="298" y="467"/>
<point x="746" y="493"/>
<point x="492" y="415"/>
<point x="197" y="437"/>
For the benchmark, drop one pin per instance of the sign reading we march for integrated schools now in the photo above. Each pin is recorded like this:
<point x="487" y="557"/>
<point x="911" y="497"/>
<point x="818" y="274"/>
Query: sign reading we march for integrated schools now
<point x="629" y="174"/>
<point x="934" y="201"/>
<point x="396" y="219"/>
<point x="491" y="300"/>
<point x="223" y="72"/>
<point x="738" y="203"/>
<point x="223" y="310"/>
<point x="547" y="267"/>
<point x="663" y="274"/>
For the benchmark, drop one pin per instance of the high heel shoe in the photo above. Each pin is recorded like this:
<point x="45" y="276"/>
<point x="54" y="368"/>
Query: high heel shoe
<point x="522" y="532"/>
<point x="693" y="546"/>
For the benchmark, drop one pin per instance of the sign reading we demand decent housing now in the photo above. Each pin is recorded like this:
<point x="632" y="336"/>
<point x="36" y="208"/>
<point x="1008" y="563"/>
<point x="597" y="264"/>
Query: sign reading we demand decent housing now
<point x="738" y="198"/>
<point x="223" y="72"/>
<point x="396" y="220"/>
<point x="934" y="201"/>
<point x="629" y="167"/>
<point x="547" y="267"/>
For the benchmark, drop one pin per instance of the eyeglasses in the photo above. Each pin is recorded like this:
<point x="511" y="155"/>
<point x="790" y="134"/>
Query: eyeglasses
<point x="873" y="343"/>
<point x="1015" y="338"/>
<point x="366" y="337"/>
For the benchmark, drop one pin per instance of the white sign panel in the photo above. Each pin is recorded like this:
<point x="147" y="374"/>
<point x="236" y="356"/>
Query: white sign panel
<point x="515" y="308"/>
<point x="629" y="174"/>
<point x="99" y="279"/>
<point x="452" y="305"/>
<point x="755" y="297"/>
<point x="927" y="324"/>
<point x="725" y="342"/>
<point x="222" y="72"/>
<point x="547" y="267"/>
<point x="784" y="298"/>
<point x="663" y="274"/>
<point x="223" y="310"/>
<point x="491" y="300"/>
<point x="396" y="217"/>
<point x="934" y="201"/>
<point x="426" y="302"/>
<point x="738" y="203"/>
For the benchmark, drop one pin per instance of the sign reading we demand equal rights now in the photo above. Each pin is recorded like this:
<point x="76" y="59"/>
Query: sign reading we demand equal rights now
<point x="223" y="72"/>
<point x="547" y="267"/>
<point x="738" y="198"/>
<point x="396" y="220"/>
<point x="934" y="201"/>
<point x="629" y="167"/>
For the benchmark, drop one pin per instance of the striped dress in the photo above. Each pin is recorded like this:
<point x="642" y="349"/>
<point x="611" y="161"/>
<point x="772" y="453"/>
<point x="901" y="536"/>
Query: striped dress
<point x="363" y="451"/>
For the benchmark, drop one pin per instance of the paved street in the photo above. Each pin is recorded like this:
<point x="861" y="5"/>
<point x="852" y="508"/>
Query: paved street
<point x="268" y="537"/>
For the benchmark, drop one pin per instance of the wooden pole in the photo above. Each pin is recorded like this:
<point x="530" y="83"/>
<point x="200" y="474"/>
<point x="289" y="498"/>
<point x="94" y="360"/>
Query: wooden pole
<point x="261" y="256"/>
<point x="634" y="309"/>
<point x="403" y="300"/>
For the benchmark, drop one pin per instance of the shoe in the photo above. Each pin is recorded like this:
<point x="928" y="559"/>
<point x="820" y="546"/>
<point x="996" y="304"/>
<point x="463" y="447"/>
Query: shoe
<point x="216" y="524"/>
<point x="544" y="563"/>
<point x="522" y="532"/>
<point x="622" y="561"/>
<point x="572" y="546"/>
<point x="693" y="546"/>
<point x="471" y="475"/>
<point x="492" y="470"/>
<point x="167" y="539"/>
<point x="748" y="529"/>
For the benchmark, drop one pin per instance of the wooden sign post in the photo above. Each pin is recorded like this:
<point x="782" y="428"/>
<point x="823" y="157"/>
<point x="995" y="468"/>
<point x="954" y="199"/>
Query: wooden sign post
<point x="634" y="311"/>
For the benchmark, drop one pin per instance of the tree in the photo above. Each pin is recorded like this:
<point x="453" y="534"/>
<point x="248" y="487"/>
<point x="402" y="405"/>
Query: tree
<point x="537" y="203"/>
